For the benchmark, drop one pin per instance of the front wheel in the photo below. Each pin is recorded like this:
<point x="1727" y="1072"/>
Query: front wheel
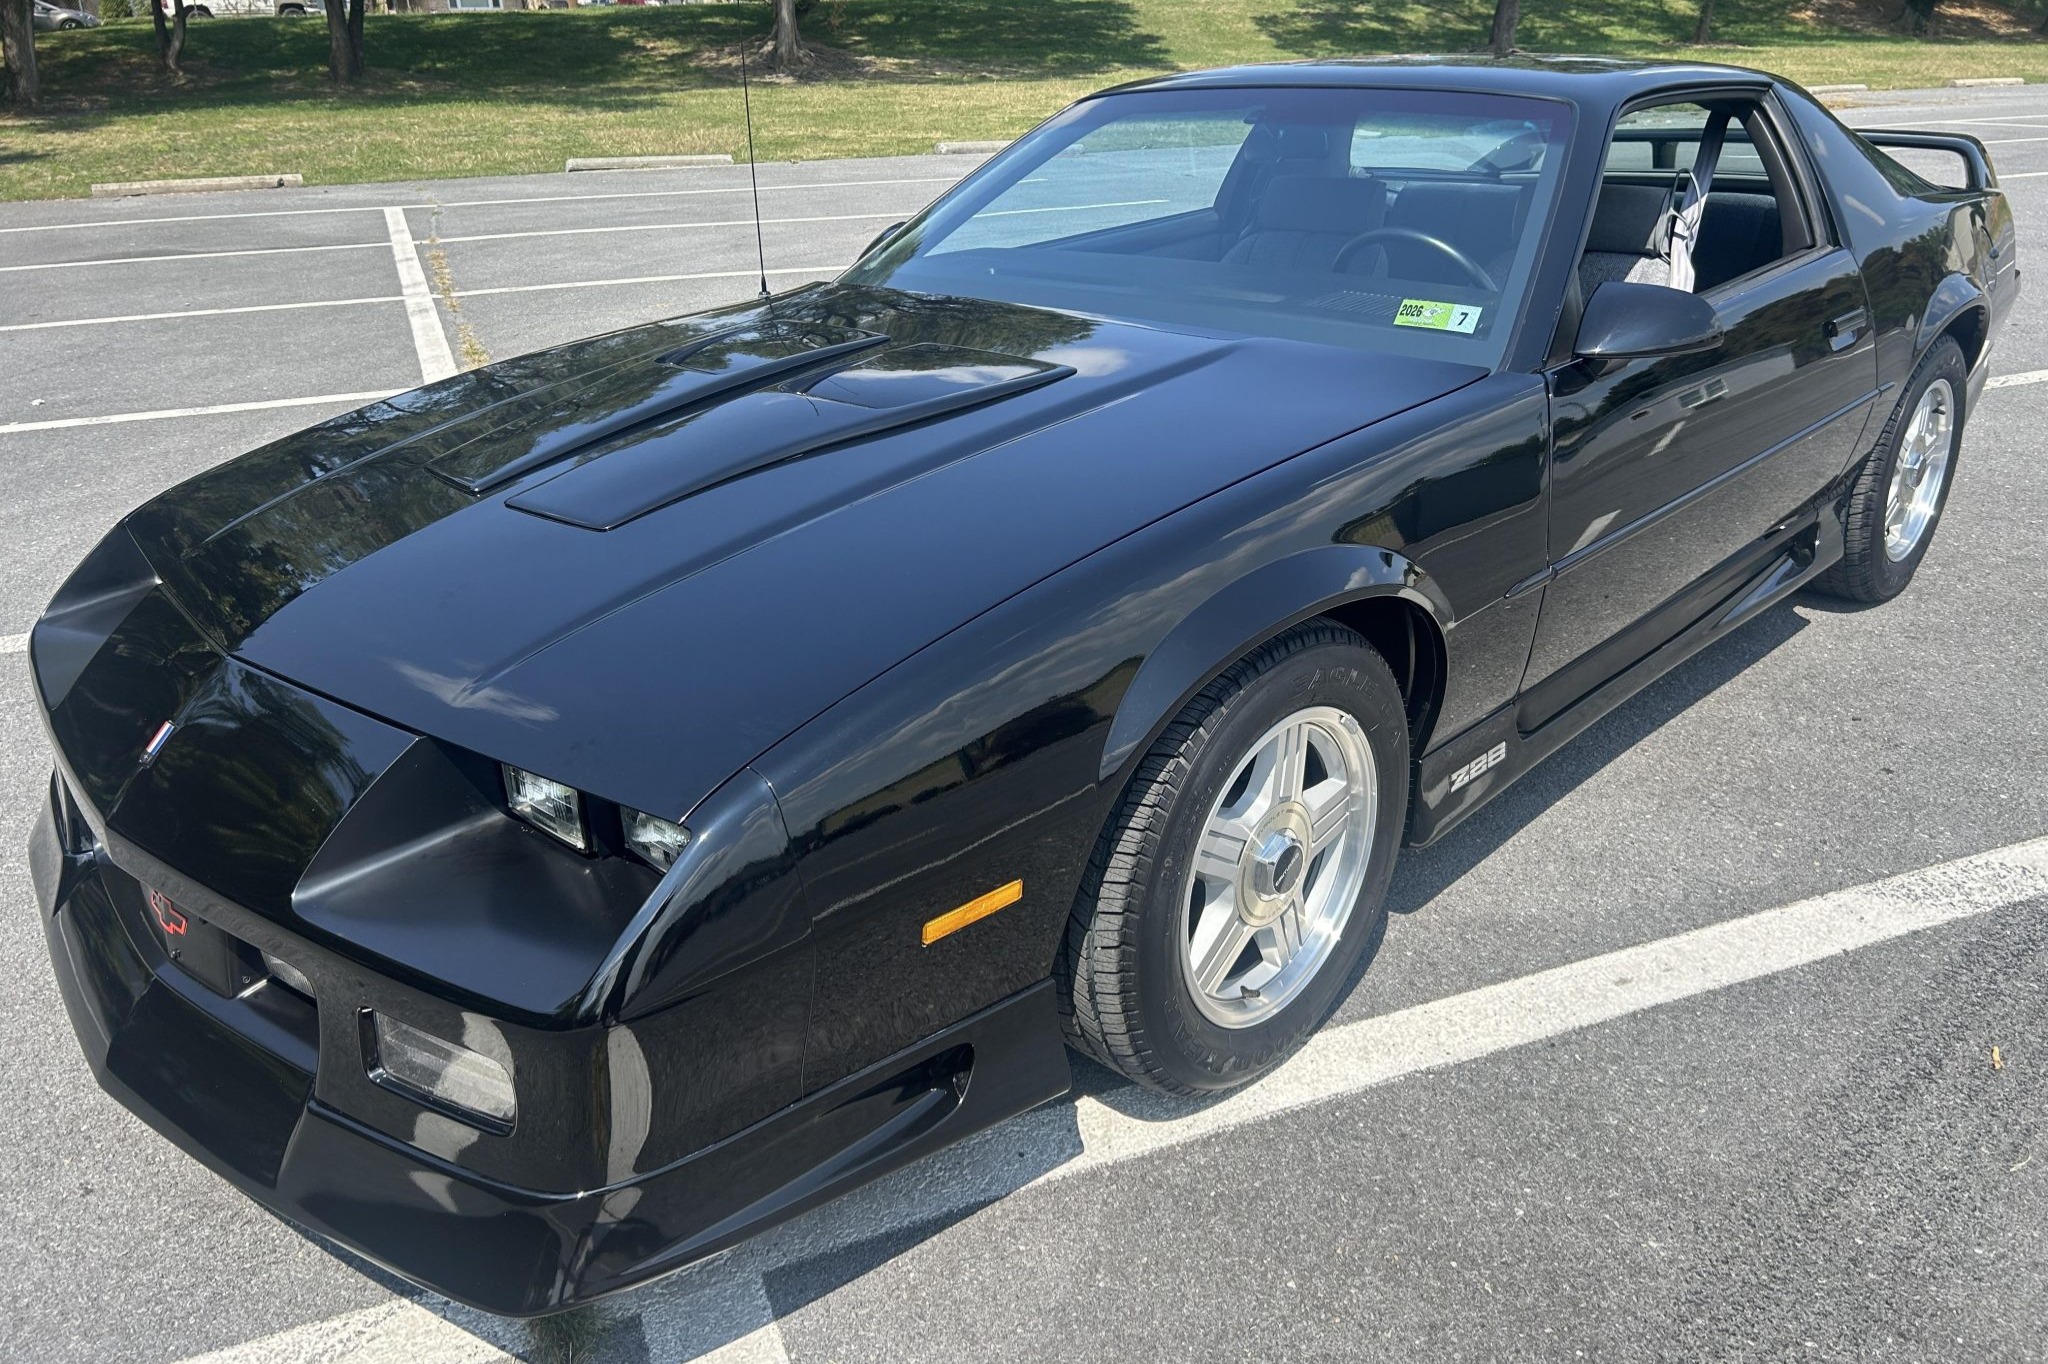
<point x="1897" y="498"/>
<point x="1244" y="875"/>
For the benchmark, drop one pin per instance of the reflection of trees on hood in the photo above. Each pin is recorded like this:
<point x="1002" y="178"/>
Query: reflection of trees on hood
<point x="970" y="323"/>
<point x="276" y="776"/>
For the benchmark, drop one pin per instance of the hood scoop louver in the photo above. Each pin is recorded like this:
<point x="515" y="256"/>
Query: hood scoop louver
<point x="615" y="481"/>
<point x="713" y="366"/>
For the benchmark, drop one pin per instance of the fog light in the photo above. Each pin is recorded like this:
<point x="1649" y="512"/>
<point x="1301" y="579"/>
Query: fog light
<point x="287" y="975"/>
<point x="657" y="840"/>
<point x="439" y="1073"/>
<point x="547" y="805"/>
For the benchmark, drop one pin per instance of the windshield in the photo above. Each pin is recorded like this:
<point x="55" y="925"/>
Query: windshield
<point x="1398" y="220"/>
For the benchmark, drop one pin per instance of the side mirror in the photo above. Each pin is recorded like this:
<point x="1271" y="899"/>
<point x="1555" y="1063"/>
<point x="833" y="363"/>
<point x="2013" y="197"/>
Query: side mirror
<point x="1631" y="321"/>
<point x="882" y="239"/>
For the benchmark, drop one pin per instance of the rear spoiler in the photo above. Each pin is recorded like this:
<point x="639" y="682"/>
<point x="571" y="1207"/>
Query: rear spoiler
<point x="1977" y="172"/>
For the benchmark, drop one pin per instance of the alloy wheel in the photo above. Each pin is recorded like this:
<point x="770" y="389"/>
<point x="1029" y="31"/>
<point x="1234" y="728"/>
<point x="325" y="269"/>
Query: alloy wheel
<point x="1921" y="471"/>
<point x="1278" y="867"/>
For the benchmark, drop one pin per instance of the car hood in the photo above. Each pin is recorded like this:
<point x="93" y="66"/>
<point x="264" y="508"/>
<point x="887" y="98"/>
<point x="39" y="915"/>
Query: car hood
<point x="636" y="562"/>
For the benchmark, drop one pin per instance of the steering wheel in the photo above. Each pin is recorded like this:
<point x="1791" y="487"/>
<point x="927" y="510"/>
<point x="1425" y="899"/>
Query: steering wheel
<point x="1409" y="234"/>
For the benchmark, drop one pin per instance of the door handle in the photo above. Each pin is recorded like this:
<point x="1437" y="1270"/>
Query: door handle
<point x="1842" y="331"/>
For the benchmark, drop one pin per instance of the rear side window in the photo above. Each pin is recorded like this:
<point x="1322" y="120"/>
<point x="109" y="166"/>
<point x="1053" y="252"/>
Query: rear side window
<point x="1667" y="138"/>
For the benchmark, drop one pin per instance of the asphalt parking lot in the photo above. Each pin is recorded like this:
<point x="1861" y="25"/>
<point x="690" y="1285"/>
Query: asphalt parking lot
<point x="1684" y="1049"/>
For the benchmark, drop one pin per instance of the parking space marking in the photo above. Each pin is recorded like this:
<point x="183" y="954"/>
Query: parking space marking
<point x="659" y="227"/>
<point x="728" y="1300"/>
<point x="706" y="189"/>
<point x="399" y="1330"/>
<point x="648" y="279"/>
<point x="200" y="312"/>
<point x="190" y="255"/>
<point x="2025" y="376"/>
<point x="479" y="203"/>
<point x="2018" y="121"/>
<point x="344" y="400"/>
<point x="13" y="644"/>
<point x="765" y="222"/>
<point x="429" y="342"/>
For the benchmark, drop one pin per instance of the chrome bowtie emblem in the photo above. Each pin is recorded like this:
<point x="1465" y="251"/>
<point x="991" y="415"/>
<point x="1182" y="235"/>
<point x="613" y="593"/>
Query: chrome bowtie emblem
<point x="156" y="743"/>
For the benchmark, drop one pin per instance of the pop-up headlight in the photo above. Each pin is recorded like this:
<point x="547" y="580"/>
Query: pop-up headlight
<point x="657" y="840"/>
<point x="438" y="1073"/>
<point x="547" y="805"/>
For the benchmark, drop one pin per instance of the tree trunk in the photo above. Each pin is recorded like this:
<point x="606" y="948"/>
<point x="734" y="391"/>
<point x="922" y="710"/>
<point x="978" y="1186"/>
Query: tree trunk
<point x="18" y="37"/>
<point x="162" y="24"/>
<point x="344" y="41"/>
<point x="788" y="48"/>
<point x="1703" y="32"/>
<point x="1506" y="15"/>
<point x="174" y="47"/>
<point x="1916" y="15"/>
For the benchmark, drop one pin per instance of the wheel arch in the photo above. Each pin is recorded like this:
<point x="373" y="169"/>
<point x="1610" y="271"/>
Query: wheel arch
<point x="1382" y="595"/>
<point x="1958" y="308"/>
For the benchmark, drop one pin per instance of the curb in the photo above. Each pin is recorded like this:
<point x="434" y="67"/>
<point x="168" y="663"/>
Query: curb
<point x="122" y="189"/>
<point x="604" y="163"/>
<point x="968" y="148"/>
<point x="1848" y="89"/>
<point x="1967" y="82"/>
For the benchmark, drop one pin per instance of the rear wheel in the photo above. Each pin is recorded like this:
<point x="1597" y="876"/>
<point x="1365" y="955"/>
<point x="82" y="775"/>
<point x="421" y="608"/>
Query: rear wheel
<point x="1244" y="875"/>
<point x="1898" y="496"/>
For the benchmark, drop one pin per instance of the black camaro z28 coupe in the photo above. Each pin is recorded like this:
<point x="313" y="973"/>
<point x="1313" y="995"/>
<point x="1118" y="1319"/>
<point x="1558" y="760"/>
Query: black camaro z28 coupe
<point x="542" y="828"/>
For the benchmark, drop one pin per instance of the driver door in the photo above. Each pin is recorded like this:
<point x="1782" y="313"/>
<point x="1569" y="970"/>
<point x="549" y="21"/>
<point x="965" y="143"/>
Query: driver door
<point x="1674" y="477"/>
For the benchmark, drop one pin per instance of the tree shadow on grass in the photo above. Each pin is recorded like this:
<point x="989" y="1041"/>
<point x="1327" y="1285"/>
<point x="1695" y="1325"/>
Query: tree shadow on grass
<point x="1044" y="38"/>
<point x="618" y="58"/>
<point x="1337" y="28"/>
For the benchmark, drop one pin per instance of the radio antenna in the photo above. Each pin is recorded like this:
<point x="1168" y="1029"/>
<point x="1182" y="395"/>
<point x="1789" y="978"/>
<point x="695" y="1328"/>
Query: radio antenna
<point x="753" y="180"/>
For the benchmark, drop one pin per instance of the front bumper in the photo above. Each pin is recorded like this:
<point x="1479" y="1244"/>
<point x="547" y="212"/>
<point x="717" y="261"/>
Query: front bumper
<point x="232" y="1080"/>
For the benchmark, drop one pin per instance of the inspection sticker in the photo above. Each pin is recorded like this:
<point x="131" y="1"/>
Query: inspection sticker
<point x="1442" y="317"/>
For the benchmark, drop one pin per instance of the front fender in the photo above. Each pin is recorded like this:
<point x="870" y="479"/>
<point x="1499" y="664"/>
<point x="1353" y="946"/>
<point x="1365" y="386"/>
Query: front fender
<point x="1250" y="609"/>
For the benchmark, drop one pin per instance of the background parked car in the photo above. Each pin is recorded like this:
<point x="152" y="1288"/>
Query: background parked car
<point x="48" y="18"/>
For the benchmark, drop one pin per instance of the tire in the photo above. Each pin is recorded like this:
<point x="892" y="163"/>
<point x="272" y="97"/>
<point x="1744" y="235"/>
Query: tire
<point x="70" y="24"/>
<point x="1878" y="557"/>
<point x="1141" y="936"/>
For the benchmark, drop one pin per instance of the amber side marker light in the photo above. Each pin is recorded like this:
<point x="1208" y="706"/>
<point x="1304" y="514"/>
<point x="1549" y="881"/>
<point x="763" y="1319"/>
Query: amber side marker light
<point x="980" y="907"/>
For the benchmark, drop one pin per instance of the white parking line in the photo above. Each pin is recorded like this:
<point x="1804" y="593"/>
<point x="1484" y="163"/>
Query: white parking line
<point x="655" y="227"/>
<point x="189" y="255"/>
<point x="765" y="222"/>
<point x="2025" y="376"/>
<point x="479" y="203"/>
<point x="13" y="644"/>
<point x="341" y="400"/>
<point x="704" y="1313"/>
<point x="429" y="342"/>
<point x="647" y="279"/>
<point x="2016" y="121"/>
<point x="200" y="312"/>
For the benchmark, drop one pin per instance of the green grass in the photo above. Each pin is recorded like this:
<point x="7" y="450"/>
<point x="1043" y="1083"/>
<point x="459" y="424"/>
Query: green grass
<point x="483" y="94"/>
